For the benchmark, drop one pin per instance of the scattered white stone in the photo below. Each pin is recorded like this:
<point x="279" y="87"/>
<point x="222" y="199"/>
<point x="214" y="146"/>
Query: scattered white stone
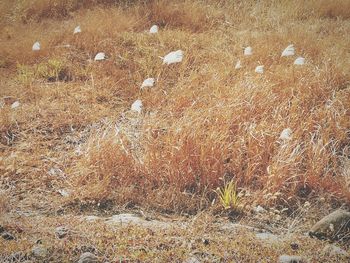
<point x="299" y="61"/>
<point x="148" y="83"/>
<point x="238" y="65"/>
<point x="173" y="57"/>
<point x="286" y="134"/>
<point x="137" y="106"/>
<point x="248" y="51"/>
<point x="36" y="46"/>
<point x="39" y="251"/>
<point x="100" y="56"/>
<point x="259" y="209"/>
<point x="77" y="30"/>
<point x="61" y="231"/>
<point x="154" y="29"/>
<point x="15" y="105"/>
<point x="259" y="69"/>
<point x="63" y="192"/>
<point x="54" y="171"/>
<point x="289" y="51"/>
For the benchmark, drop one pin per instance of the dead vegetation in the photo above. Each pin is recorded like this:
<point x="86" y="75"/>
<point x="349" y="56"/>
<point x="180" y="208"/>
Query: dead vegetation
<point x="203" y="124"/>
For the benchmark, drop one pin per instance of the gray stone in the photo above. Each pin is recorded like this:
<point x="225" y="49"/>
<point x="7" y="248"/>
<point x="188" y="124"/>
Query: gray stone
<point x="39" y="251"/>
<point x="290" y="259"/>
<point x="333" y="226"/>
<point x="87" y="257"/>
<point x="61" y="231"/>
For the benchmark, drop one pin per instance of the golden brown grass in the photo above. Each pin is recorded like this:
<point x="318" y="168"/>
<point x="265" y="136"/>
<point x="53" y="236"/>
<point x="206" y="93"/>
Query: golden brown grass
<point x="203" y="120"/>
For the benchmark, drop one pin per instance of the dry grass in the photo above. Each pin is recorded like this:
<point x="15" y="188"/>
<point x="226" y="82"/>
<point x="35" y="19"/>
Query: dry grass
<point x="203" y="120"/>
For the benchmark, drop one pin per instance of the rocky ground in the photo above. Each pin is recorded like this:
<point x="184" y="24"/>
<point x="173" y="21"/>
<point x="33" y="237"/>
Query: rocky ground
<point x="97" y="235"/>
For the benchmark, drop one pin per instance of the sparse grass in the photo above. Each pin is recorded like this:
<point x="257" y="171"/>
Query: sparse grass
<point x="201" y="122"/>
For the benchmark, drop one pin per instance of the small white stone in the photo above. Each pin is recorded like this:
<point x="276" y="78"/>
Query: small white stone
<point x="137" y="106"/>
<point x="39" y="251"/>
<point x="248" y="51"/>
<point x="259" y="69"/>
<point x="259" y="209"/>
<point x="77" y="30"/>
<point x="238" y="65"/>
<point x="289" y="51"/>
<point x="61" y="231"/>
<point x="63" y="192"/>
<point x="299" y="61"/>
<point x="154" y="29"/>
<point x="173" y="57"/>
<point x="286" y="134"/>
<point x="149" y="82"/>
<point x="100" y="56"/>
<point x="36" y="46"/>
<point x="15" y="105"/>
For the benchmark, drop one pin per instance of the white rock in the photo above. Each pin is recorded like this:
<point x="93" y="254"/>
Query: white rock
<point x="154" y="29"/>
<point x="299" y="61"/>
<point x="173" y="57"/>
<point x="15" y="105"/>
<point x="286" y="134"/>
<point x="39" y="251"/>
<point x="289" y="51"/>
<point x="63" y="192"/>
<point x="259" y="69"/>
<point x="36" y="46"/>
<point x="259" y="209"/>
<point x="248" y="51"/>
<point x="61" y="231"/>
<point x="148" y="83"/>
<point x="100" y="56"/>
<point x="77" y="30"/>
<point x="238" y="65"/>
<point x="137" y="106"/>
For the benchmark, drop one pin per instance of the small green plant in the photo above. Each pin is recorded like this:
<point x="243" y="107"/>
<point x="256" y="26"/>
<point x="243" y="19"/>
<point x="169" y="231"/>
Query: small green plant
<point x="25" y="74"/>
<point x="51" y="70"/>
<point x="228" y="195"/>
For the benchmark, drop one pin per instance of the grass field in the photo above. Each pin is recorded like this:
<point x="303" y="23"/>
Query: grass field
<point x="74" y="145"/>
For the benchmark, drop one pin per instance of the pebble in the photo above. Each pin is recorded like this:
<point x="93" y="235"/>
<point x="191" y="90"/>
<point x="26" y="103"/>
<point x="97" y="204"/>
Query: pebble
<point x="290" y="259"/>
<point x="61" y="231"/>
<point x="39" y="251"/>
<point x="87" y="257"/>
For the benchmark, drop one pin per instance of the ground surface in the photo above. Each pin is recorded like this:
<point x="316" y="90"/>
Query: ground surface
<point x="72" y="148"/>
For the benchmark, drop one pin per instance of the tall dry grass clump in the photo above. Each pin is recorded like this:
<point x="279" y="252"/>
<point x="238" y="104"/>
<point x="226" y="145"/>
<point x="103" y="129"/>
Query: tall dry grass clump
<point x="204" y="123"/>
